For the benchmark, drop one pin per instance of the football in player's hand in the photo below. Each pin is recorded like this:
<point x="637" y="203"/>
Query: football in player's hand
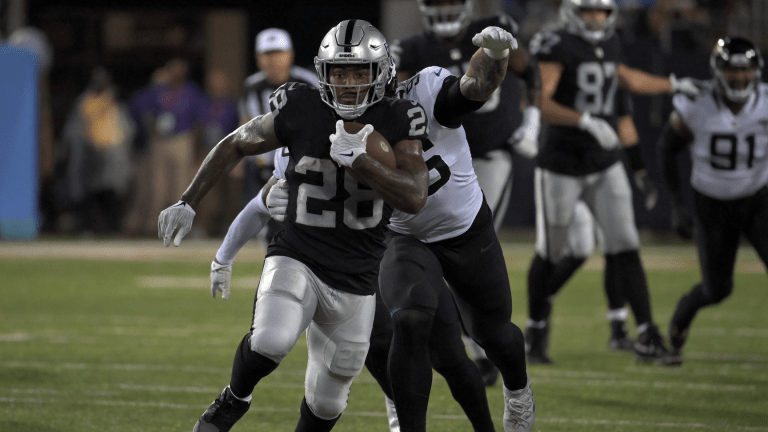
<point x="377" y="148"/>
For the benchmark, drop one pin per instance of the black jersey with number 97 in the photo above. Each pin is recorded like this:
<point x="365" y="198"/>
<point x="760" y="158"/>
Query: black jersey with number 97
<point x="589" y="83"/>
<point x="334" y="224"/>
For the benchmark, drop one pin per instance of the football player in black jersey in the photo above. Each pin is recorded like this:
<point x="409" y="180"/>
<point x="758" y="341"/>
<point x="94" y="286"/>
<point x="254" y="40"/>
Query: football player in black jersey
<point x="490" y="130"/>
<point x="582" y="235"/>
<point x="447" y="98"/>
<point x="726" y="128"/>
<point x="581" y="68"/>
<point x="321" y="271"/>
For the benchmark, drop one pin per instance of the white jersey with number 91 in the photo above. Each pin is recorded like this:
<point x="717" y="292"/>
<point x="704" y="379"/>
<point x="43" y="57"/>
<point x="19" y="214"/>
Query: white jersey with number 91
<point x="729" y="152"/>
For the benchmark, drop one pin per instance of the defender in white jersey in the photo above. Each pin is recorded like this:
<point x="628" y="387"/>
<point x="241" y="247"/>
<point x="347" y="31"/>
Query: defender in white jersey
<point x="452" y="239"/>
<point x="726" y="129"/>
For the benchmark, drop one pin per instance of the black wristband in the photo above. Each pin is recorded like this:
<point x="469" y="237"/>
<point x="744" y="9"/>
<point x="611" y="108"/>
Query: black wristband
<point x="635" y="156"/>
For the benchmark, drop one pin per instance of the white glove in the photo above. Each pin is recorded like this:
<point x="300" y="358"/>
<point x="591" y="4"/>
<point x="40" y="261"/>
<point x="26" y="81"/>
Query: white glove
<point x="346" y="147"/>
<point x="495" y="41"/>
<point x="176" y="219"/>
<point x="686" y="86"/>
<point x="600" y="129"/>
<point x="221" y="276"/>
<point x="525" y="140"/>
<point x="277" y="200"/>
<point x="650" y="193"/>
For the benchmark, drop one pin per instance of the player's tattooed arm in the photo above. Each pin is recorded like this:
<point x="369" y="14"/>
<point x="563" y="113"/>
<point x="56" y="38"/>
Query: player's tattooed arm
<point x="483" y="76"/>
<point x="405" y="187"/>
<point x="255" y="137"/>
<point x="488" y="65"/>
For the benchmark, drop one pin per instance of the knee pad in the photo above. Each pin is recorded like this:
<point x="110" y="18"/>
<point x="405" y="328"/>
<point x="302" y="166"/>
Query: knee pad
<point x="326" y="393"/>
<point x="325" y="405"/>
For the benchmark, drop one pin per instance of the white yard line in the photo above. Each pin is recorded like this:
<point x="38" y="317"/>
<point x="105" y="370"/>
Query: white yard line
<point x="653" y="426"/>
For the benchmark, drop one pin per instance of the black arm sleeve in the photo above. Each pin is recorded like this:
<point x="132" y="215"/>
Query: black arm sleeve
<point x="635" y="157"/>
<point x="450" y="104"/>
<point x="532" y="75"/>
<point x="669" y="147"/>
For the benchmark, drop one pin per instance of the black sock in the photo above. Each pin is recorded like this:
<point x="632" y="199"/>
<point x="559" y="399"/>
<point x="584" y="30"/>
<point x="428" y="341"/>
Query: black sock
<point x="626" y="270"/>
<point x="464" y="380"/>
<point x="248" y="368"/>
<point x="688" y="306"/>
<point x="309" y="422"/>
<point x="539" y="275"/>
<point x="613" y="289"/>
<point x="562" y="272"/>
<point x="410" y="370"/>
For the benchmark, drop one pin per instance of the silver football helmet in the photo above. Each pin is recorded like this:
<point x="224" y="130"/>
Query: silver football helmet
<point x="570" y="14"/>
<point x="445" y="21"/>
<point x="354" y="42"/>
<point x="736" y="53"/>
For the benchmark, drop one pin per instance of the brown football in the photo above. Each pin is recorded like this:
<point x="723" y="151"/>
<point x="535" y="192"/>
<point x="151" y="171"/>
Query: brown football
<point x="377" y="147"/>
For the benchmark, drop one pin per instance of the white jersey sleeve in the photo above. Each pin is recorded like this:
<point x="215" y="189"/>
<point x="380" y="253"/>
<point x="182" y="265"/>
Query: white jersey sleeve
<point x="729" y="151"/>
<point x="454" y="193"/>
<point x="281" y="163"/>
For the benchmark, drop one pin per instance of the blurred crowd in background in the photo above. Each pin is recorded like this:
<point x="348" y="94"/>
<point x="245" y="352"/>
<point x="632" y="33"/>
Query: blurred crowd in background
<point x="122" y="147"/>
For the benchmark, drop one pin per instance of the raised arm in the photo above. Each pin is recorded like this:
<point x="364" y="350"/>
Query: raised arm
<point x="488" y="66"/>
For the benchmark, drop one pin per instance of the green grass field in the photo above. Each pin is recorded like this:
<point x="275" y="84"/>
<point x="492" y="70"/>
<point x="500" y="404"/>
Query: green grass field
<point x="123" y="336"/>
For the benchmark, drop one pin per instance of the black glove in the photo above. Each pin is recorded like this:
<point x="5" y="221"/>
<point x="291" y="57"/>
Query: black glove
<point x="682" y="221"/>
<point x="650" y="193"/>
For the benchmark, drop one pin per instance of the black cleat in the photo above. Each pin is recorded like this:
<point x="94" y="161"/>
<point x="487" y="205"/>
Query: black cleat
<point x="223" y="413"/>
<point x="488" y="371"/>
<point x="536" y="344"/>
<point x="649" y="348"/>
<point x="619" y="340"/>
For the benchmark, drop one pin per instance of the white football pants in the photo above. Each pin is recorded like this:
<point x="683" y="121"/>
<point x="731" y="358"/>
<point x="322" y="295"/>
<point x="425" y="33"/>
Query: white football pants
<point x="290" y="300"/>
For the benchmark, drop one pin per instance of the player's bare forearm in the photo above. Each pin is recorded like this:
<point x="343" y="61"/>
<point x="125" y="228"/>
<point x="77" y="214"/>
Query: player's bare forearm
<point x="557" y="114"/>
<point x="483" y="76"/>
<point x="404" y="188"/>
<point x="255" y="137"/>
<point x="639" y="82"/>
<point x="551" y="111"/>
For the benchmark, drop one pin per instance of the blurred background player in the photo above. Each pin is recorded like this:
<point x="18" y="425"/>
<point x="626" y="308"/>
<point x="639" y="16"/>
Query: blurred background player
<point x="274" y="60"/>
<point x="582" y="235"/>
<point x="726" y="130"/>
<point x="581" y="69"/>
<point x="447" y="42"/>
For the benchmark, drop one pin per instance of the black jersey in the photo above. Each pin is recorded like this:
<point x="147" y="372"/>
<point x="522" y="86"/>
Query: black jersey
<point x="489" y="127"/>
<point x="589" y="82"/>
<point x="334" y="224"/>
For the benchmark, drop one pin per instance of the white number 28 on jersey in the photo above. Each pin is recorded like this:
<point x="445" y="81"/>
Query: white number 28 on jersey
<point x="327" y="191"/>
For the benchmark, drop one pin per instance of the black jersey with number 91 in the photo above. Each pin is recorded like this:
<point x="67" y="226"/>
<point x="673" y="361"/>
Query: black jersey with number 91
<point x="588" y="83"/>
<point x="335" y="225"/>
